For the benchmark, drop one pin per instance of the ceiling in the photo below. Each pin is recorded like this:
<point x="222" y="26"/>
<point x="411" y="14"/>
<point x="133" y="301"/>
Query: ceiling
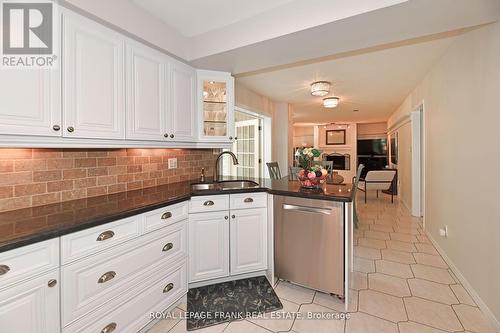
<point x="375" y="83"/>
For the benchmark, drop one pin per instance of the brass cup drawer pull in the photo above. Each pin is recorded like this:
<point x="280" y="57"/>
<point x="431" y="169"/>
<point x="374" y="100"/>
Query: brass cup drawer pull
<point x="109" y="328"/>
<point x="168" y="287"/>
<point x="4" y="269"/>
<point x="52" y="283"/>
<point x="248" y="200"/>
<point x="167" y="247"/>
<point x="166" y="215"/>
<point x="105" y="235"/>
<point x="208" y="203"/>
<point x="107" y="277"/>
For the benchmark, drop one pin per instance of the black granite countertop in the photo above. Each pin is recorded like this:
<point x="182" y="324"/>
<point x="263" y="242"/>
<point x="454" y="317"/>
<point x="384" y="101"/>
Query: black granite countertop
<point x="30" y="225"/>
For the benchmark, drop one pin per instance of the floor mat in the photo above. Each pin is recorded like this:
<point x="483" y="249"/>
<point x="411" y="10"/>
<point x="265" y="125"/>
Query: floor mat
<point x="227" y="301"/>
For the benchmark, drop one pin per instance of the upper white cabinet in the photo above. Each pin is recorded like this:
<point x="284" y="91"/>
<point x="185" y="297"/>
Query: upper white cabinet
<point x="93" y="79"/>
<point x="215" y="106"/>
<point x="183" y="102"/>
<point x="30" y="102"/>
<point x="147" y="93"/>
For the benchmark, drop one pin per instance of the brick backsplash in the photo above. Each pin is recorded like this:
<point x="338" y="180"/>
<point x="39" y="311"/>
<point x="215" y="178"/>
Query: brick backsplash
<point x="34" y="177"/>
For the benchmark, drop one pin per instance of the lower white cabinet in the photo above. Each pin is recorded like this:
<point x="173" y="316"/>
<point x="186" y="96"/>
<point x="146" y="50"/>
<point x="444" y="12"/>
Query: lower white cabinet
<point x="208" y="245"/>
<point x="32" y="306"/>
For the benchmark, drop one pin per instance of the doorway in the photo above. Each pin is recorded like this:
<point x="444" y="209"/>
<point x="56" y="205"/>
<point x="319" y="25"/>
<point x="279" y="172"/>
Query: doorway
<point x="418" y="170"/>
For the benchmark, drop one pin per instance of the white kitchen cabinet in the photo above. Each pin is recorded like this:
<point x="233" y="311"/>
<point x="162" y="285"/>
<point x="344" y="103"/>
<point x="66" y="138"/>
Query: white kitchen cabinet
<point x="93" y="79"/>
<point x="32" y="306"/>
<point x="208" y="245"/>
<point x="248" y="239"/>
<point x="183" y="102"/>
<point x="147" y="93"/>
<point x="30" y="102"/>
<point x="215" y="106"/>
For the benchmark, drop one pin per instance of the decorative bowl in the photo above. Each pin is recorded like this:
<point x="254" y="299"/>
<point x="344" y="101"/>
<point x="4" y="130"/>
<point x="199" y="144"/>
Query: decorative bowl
<point x="308" y="181"/>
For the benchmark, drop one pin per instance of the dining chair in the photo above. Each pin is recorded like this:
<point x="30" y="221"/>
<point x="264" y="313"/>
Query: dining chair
<point x="274" y="170"/>
<point x="328" y="165"/>
<point x="292" y="175"/>
<point x="377" y="180"/>
<point x="355" y="182"/>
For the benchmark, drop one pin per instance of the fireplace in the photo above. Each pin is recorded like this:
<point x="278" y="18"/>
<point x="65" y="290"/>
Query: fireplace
<point x="340" y="161"/>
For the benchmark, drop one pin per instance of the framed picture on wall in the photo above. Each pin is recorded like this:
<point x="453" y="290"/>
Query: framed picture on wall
<point x="335" y="137"/>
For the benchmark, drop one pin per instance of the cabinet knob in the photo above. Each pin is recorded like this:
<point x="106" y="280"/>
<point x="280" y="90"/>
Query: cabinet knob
<point x="56" y="127"/>
<point x="167" y="247"/>
<point x="109" y="328"/>
<point x="107" y="277"/>
<point x="171" y="136"/>
<point x="232" y="216"/>
<point x="248" y="200"/>
<point x="208" y="203"/>
<point x="4" y="269"/>
<point x="166" y="215"/>
<point x="226" y="217"/>
<point x="165" y="135"/>
<point x="105" y="235"/>
<point x="230" y="138"/>
<point x="71" y="129"/>
<point x="236" y="138"/>
<point x="168" y="287"/>
<point x="52" y="283"/>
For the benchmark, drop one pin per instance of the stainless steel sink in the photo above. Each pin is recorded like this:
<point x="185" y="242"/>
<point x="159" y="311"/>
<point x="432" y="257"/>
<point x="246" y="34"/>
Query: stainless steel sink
<point x="224" y="185"/>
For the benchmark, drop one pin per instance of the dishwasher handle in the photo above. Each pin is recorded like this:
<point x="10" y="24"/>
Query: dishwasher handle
<point x="324" y="211"/>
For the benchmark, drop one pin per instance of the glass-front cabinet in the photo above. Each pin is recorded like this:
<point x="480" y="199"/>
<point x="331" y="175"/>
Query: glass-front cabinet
<point x="216" y="106"/>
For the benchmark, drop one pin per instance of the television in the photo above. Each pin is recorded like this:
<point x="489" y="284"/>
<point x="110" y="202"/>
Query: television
<point x="372" y="147"/>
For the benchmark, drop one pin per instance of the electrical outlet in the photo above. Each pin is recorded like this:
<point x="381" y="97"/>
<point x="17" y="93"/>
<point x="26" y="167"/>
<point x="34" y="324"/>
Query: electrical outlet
<point x="172" y="163"/>
<point x="443" y="232"/>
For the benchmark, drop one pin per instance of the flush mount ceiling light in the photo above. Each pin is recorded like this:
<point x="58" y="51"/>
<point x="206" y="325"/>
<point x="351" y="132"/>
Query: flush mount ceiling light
<point x="320" y="88"/>
<point x="330" y="102"/>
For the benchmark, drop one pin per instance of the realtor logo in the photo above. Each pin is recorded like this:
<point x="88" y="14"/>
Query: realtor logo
<point x="28" y="34"/>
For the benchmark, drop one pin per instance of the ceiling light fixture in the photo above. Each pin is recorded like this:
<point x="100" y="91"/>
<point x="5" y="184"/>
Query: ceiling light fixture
<point x="330" y="102"/>
<point x="320" y="88"/>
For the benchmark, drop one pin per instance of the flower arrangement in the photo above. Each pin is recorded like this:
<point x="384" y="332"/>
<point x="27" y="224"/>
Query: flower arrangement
<point x="310" y="176"/>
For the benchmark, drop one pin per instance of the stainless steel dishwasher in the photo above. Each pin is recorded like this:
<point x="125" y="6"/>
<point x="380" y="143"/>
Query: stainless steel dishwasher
<point x="309" y="243"/>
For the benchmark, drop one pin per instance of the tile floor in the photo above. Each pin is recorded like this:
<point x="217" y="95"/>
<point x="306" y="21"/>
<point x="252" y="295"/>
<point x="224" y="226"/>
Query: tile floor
<point x="400" y="284"/>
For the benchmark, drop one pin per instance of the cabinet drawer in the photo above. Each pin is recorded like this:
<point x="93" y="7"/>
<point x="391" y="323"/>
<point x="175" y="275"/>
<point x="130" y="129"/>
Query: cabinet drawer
<point x="89" y="283"/>
<point x="209" y="203"/>
<point x="162" y="217"/>
<point x="24" y="262"/>
<point x="83" y="243"/>
<point x="156" y="295"/>
<point x="248" y="200"/>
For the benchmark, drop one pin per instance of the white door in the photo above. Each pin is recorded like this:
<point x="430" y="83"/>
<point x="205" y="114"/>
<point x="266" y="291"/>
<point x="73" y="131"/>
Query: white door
<point x="247" y="149"/>
<point x="146" y="93"/>
<point x="183" y="104"/>
<point x="30" y="102"/>
<point x="93" y="80"/>
<point x="248" y="240"/>
<point x="208" y="245"/>
<point x="32" y="306"/>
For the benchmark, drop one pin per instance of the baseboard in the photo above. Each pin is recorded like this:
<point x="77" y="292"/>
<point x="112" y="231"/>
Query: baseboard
<point x="475" y="296"/>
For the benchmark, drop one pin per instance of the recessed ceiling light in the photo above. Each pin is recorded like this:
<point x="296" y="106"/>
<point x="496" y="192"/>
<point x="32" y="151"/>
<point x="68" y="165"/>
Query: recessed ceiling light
<point x="330" y="102"/>
<point x="320" y="88"/>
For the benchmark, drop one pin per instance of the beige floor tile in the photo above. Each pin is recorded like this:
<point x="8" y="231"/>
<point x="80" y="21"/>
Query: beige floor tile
<point x="398" y="256"/>
<point x="423" y="239"/>
<point x="462" y="294"/>
<point x="383" y="228"/>
<point x="181" y="328"/>
<point x="430" y="260"/>
<point x="308" y="325"/>
<point x="166" y="324"/>
<point x="374" y="243"/>
<point x="402" y="230"/>
<point x="433" y="291"/>
<point x="400" y="246"/>
<point x="432" y="274"/>
<point x="243" y="326"/>
<point x="411" y="327"/>
<point x="426" y="248"/>
<point x="294" y="293"/>
<point x="367" y="252"/>
<point x="376" y="234"/>
<point x="385" y="221"/>
<point x="364" y="265"/>
<point x="182" y="306"/>
<point x="394" y="268"/>
<point x="359" y="280"/>
<point x="457" y="281"/>
<point x="388" y="284"/>
<point x="364" y="323"/>
<point x="382" y="305"/>
<point x="334" y="303"/>
<point x="278" y="320"/>
<point x="473" y="319"/>
<point x="433" y="314"/>
<point x="403" y="237"/>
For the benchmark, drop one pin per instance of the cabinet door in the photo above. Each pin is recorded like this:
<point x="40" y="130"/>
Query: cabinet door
<point x="248" y="240"/>
<point x="183" y="101"/>
<point x="32" y="306"/>
<point x="146" y="93"/>
<point x="93" y="80"/>
<point x="30" y="102"/>
<point x="208" y="245"/>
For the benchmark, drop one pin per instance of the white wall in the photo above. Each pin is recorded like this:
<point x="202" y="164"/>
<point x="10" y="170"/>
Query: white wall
<point x="461" y="117"/>
<point x="404" y="165"/>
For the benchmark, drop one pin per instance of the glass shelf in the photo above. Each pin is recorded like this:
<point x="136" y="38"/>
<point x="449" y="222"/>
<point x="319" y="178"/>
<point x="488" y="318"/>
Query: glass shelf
<point x="214" y="108"/>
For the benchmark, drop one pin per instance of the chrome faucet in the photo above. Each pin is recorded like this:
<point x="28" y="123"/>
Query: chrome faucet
<point x="216" y="170"/>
